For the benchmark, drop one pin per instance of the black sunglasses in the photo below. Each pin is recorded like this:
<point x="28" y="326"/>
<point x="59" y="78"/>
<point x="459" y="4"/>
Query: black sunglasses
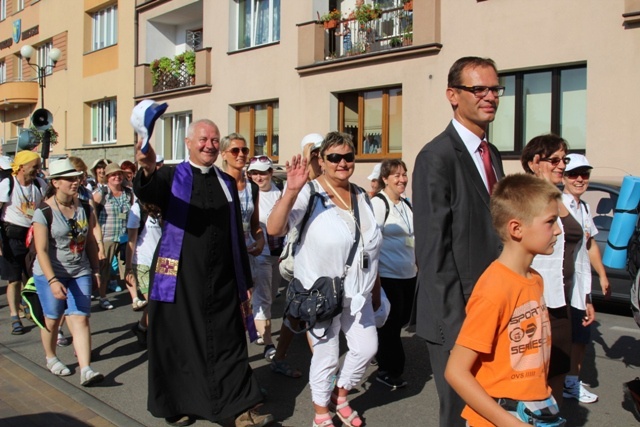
<point x="337" y="158"/>
<point x="576" y="174"/>
<point x="236" y="150"/>
<point x="555" y="160"/>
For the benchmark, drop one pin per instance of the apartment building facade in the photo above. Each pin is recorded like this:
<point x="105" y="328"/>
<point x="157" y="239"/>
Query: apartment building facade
<point x="84" y="90"/>
<point x="270" y="70"/>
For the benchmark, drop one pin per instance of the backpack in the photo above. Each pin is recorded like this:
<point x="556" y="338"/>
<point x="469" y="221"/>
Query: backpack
<point x="386" y="205"/>
<point x="633" y="252"/>
<point x="285" y="262"/>
<point x="104" y="190"/>
<point x="635" y="298"/>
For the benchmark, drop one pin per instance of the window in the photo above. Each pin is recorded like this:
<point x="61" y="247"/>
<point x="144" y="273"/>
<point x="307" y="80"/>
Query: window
<point x="539" y="102"/>
<point x="43" y="57"/>
<point x="3" y="10"/>
<point x="174" y="131"/>
<point x="374" y="119"/>
<point x="194" y="39"/>
<point x="19" y="5"/>
<point x="3" y="72"/>
<point x="105" y="27"/>
<point x="258" y="22"/>
<point x="259" y="123"/>
<point x="103" y="121"/>
<point x="18" y="68"/>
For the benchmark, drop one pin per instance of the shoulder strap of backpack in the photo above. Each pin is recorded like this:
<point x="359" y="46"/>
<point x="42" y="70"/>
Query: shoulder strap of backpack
<point x="143" y="217"/>
<point x="48" y="215"/>
<point x="583" y="203"/>
<point x="87" y="209"/>
<point x="386" y="206"/>
<point x="307" y="214"/>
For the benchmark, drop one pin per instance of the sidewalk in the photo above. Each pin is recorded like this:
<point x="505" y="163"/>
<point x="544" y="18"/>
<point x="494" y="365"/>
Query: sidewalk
<point x="30" y="396"/>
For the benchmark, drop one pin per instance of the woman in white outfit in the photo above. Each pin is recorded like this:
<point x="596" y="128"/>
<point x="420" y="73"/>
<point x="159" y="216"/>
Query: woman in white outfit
<point x="260" y="171"/>
<point x="323" y="251"/>
<point x="576" y="182"/>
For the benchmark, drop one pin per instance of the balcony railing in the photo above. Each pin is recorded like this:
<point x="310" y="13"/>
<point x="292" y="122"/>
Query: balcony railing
<point x="393" y="29"/>
<point x="177" y="79"/>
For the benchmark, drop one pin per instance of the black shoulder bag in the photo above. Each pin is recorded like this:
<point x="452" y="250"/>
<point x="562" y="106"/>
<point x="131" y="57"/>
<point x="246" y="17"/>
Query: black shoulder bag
<point x="324" y="300"/>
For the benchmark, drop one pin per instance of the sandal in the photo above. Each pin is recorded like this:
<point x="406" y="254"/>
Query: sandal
<point x="58" y="368"/>
<point x="348" y="420"/>
<point x="138" y="304"/>
<point x="283" y="368"/>
<point x="16" y="326"/>
<point x="90" y="377"/>
<point x="325" y="423"/>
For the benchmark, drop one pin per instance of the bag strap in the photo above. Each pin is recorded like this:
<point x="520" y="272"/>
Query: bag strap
<point x="307" y="213"/>
<point x="356" y="217"/>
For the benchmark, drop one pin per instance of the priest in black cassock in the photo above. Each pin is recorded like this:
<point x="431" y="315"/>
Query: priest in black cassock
<point x="197" y="349"/>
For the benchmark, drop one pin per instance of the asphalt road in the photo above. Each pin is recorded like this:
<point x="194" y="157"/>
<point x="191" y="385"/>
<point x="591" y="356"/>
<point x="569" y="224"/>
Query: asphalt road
<point x="612" y="359"/>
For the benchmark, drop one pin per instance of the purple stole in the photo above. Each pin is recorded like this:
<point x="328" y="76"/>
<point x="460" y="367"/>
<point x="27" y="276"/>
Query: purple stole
<point x="166" y="273"/>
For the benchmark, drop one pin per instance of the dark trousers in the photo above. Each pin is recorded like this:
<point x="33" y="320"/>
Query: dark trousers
<point x="400" y="292"/>
<point x="451" y="405"/>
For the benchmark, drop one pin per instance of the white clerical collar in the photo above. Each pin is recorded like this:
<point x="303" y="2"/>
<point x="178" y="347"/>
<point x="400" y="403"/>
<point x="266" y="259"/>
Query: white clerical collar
<point x="204" y="169"/>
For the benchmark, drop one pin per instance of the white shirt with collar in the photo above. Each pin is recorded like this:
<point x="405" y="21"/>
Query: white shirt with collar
<point x="472" y="142"/>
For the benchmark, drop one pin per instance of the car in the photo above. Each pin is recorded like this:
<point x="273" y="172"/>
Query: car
<point x="602" y="197"/>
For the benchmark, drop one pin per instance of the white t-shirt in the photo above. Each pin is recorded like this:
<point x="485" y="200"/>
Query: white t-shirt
<point x="266" y="202"/>
<point x="397" y="256"/>
<point x="148" y="239"/>
<point x="20" y="207"/>
<point x="326" y="242"/>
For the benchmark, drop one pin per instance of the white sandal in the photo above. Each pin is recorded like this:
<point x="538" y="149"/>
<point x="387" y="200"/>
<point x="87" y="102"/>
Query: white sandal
<point x="58" y="368"/>
<point x="138" y="304"/>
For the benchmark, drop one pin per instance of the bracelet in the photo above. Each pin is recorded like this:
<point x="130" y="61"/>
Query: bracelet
<point x="53" y="279"/>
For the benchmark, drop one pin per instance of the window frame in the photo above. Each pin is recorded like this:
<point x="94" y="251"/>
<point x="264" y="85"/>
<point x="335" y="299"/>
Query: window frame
<point x="519" y="109"/>
<point x="43" y="59"/>
<point x="3" y="10"/>
<point x="271" y="137"/>
<point x="172" y="158"/>
<point x="3" y="71"/>
<point x="104" y="27"/>
<point x="20" y="5"/>
<point x="274" y="34"/>
<point x="385" y="125"/>
<point x="98" y="119"/>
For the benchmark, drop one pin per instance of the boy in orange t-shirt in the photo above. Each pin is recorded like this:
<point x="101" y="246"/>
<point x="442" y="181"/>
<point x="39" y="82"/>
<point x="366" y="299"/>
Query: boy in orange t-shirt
<point x="500" y="360"/>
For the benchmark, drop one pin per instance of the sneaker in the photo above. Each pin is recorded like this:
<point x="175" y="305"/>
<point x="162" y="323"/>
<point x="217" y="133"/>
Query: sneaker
<point x="252" y="419"/>
<point x="140" y="335"/>
<point x="269" y="352"/>
<point x="393" y="382"/>
<point x="62" y="340"/>
<point x="576" y="390"/>
<point x="105" y="304"/>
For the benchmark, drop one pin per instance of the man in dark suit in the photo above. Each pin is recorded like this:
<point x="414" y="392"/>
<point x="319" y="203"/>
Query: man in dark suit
<point x="455" y="240"/>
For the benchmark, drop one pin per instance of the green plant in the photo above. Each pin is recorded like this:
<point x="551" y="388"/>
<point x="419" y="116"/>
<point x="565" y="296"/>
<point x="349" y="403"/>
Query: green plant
<point x="395" y="42"/>
<point x="366" y="12"/>
<point x="190" y="62"/>
<point x="53" y="135"/>
<point x="332" y="15"/>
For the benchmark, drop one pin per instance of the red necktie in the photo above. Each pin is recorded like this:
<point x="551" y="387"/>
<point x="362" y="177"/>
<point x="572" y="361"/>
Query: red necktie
<point x="486" y="162"/>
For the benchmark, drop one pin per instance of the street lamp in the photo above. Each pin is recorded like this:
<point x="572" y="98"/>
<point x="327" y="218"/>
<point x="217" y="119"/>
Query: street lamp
<point x="54" y="54"/>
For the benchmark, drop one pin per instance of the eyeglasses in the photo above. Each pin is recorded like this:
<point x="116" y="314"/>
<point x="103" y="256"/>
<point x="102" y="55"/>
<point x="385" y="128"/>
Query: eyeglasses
<point x="70" y="178"/>
<point x="574" y="175"/>
<point x="259" y="159"/>
<point x="555" y="160"/>
<point x="337" y="158"/>
<point x="482" y="91"/>
<point x="73" y="228"/>
<point x="261" y="173"/>
<point x="236" y="150"/>
<point x="315" y="153"/>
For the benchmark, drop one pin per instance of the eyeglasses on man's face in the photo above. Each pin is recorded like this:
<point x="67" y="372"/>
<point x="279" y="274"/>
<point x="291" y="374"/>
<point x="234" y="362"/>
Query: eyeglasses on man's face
<point x="236" y="150"/>
<point x="482" y="91"/>
<point x="555" y="160"/>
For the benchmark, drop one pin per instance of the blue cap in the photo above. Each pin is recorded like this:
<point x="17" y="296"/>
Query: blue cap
<point x="144" y="117"/>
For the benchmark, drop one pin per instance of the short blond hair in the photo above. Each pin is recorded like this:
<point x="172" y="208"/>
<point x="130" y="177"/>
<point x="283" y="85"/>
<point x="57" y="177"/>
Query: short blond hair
<point x="522" y="197"/>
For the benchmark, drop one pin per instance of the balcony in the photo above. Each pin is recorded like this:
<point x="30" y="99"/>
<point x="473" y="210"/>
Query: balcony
<point x="389" y="36"/>
<point x="631" y="15"/>
<point x="174" y="79"/>
<point x="18" y="93"/>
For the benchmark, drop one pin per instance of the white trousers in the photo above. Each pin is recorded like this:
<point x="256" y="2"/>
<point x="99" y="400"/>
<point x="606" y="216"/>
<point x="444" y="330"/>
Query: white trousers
<point x="362" y="341"/>
<point x="265" y="276"/>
